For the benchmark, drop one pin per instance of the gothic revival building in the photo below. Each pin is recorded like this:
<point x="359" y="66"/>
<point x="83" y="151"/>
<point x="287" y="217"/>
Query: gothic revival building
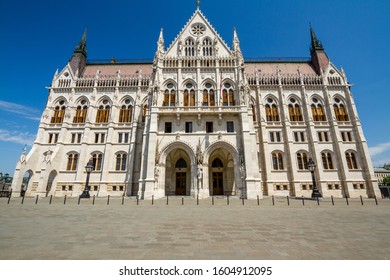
<point x="199" y="120"/>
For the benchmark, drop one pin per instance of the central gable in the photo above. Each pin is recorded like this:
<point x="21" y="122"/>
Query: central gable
<point x="199" y="32"/>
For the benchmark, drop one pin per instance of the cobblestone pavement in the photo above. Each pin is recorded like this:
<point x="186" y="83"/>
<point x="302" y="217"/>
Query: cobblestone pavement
<point x="190" y="231"/>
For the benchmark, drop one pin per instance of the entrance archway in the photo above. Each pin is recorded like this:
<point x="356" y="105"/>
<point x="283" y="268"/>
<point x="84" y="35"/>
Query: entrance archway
<point x="26" y="182"/>
<point x="178" y="173"/>
<point x="222" y="173"/>
<point x="181" y="177"/>
<point x="51" y="182"/>
<point x="217" y="176"/>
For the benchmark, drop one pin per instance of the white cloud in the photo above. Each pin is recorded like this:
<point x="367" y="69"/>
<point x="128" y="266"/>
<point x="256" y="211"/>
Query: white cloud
<point x="379" y="149"/>
<point x="21" y="110"/>
<point x="17" y="137"/>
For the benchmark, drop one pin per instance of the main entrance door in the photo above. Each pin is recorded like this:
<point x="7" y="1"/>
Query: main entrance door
<point x="217" y="183"/>
<point x="181" y="183"/>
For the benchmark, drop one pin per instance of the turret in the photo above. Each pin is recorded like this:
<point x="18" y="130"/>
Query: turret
<point x="79" y="58"/>
<point x="318" y="56"/>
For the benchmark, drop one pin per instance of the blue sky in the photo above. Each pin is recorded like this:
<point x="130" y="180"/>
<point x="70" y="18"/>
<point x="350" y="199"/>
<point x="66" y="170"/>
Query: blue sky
<point x="37" y="37"/>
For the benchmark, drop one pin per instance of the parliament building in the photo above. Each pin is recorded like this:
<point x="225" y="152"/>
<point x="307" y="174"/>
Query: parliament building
<point x="199" y="120"/>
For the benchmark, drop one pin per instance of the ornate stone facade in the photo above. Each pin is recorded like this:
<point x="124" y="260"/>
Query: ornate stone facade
<point x="199" y="121"/>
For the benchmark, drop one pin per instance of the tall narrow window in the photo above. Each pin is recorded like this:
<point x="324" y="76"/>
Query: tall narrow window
<point x="144" y="112"/>
<point x="121" y="162"/>
<point x="271" y="111"/>
<point x="72" y="162"/>
<point x="168" y="127"/>
<point x="351" y="160"/>
<point x="189" y="48"/>
<point x="302" y="161"/>
<point x="294" y="110"/>
<point x="209" y="127"/>
<point x="317" y="111"/>
<point x="327" y="160"/>
<point x="277" y="161"/>
<point x="81" y="113"/>
<point x="59" y="113"/>
<point x="170" y="96"/>
<point x="189" y="95"/>
<point x="207" y="47"/>
<point x="126" y="112"/>
<point x="208" y="95"/>
<point x="97" y="160"/>
<point x="340" y="111"/>
<point x="103" y="112"/>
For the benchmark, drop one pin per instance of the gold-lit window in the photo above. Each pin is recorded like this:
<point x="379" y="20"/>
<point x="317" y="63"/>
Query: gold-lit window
<point x="126" y="113"/>
<point x="59" y="113"/>
<point x="271" y="111"/>
<point x="208" y="95"/>
<point x="103" y="114"/>
<point x="294" y="111"/>
<point x="81" y="114"/>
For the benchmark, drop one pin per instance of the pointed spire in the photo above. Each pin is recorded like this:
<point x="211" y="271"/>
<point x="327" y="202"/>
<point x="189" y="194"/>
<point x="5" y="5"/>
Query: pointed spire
<point x="197" y="4"/>
<point x="82" y="46"/>
<point x="318" y="56"/>
<point x="161" y="39"/>
<point x="315" y="44"/>
<point x="79" y="58"/>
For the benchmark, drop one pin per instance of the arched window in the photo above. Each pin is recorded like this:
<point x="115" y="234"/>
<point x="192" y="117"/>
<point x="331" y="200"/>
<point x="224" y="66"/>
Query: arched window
<point x="207" y="47"/>
<point x="121" y="162"/>
<point x="97" y="160"/>
<point x="72" y="162"/>
<point x="351" y="160"/>
<point x="217" y="163"/>
<point x="189" y="95"/>
<point x="208" y="95"/>
<point x="327" y="160"/>
<point x="126" y="112"/>
<point x="271" y="111"/>
<point x="81" y="112"/>
<point x="59" y="112"/>
<point x="340" y="111"/>
<point x="302" y="160"/>
<point x="317" y="111"/>
<point x="103" y="112"/>
<point x="169" y="96"/>
<point x="228" y="95"/>
<point x="144" y="112"/>
<point x="294" y="110"/>
<point x="181" y="163"/>
<point x="189" y="48"/>
<point x="277" y="161"/>
<point x="253" y="113"/>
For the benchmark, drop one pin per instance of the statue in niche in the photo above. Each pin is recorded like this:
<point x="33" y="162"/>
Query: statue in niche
<point x="156" y="173"/>
<point x="179" y="48"/>
<point x="200" y="172"/>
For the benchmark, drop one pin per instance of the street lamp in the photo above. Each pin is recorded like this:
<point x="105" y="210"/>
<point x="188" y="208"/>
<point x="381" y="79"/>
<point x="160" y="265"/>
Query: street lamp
<point x="312" y="167"/>
<point x="88" y="169"/>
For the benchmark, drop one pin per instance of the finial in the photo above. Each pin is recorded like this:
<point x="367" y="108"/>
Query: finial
<point x="82" y="46"/>
<point x="197" y="4"/>
<point x="315" y="44"/>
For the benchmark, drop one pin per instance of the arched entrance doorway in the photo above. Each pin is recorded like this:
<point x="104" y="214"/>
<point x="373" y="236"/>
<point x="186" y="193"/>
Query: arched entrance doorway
<point x="50" y="181"/>
<point x="26" y="182"/>
<point x="178" y="173"/>
<point x="222" y="173"/>
<point x="217" y="176"/>
<point x="181" y="177"/>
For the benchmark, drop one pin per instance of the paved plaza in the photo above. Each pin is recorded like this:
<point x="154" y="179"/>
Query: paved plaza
<point x="112" y="230"/>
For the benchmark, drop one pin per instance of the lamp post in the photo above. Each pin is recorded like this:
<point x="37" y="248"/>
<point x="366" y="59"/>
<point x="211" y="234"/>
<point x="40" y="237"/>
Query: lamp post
<point x="88" y="169"/>
<point x="312" y="167"/>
